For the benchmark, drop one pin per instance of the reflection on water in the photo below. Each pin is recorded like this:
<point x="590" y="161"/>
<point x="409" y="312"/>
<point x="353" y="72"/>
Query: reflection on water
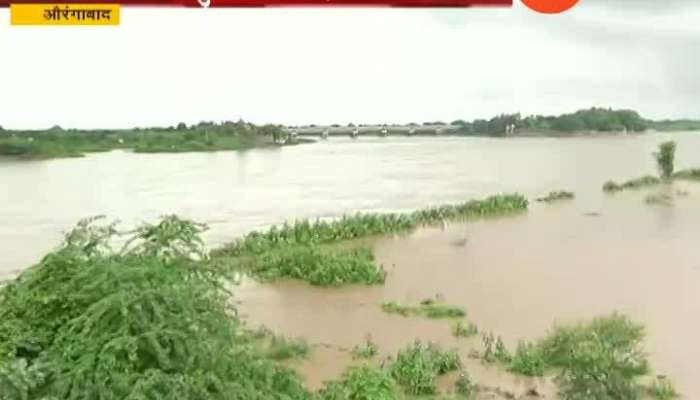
<point x="515" y="276"/>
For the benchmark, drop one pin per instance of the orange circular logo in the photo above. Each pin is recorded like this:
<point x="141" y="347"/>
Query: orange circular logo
<point x="550" y="6"/>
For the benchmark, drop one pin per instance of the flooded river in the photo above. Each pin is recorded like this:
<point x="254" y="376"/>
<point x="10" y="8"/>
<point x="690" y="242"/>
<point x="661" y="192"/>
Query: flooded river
<point x="515" y="276"/>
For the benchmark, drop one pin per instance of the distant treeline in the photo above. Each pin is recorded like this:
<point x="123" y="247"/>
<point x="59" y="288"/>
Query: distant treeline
<point x="593" y="120"/>
<point x="205" y="136"/>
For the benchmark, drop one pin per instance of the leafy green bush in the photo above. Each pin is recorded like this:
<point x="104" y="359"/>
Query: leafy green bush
<point x="142" y="322"/>
<point x="318" y="267"/>
<point x="417" y="366"/>
<point x="602" y="359"/>
<point x="664" y="159"/>
<point x="361" y="383"/>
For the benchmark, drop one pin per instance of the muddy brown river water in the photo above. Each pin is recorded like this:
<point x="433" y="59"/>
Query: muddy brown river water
<point x="515" y="276"/>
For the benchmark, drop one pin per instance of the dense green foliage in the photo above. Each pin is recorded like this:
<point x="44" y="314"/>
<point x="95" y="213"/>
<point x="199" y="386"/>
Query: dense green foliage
<point x="361" y="383"/>
<point x="317" y="266"/>
<point x="417" y="366"/>
<point x="665" y="158"/>
<point x="148" y="321"/>
<point x="205" y="136"/>
<point x="556" y="196"/>
<point x="427" y="308"/>
<point x="590" y="120"/>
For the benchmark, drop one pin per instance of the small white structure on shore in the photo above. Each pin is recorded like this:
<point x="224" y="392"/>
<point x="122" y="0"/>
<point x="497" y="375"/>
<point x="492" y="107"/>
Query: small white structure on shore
<point x="355" y="133"/>
<point x="324" y="134"/>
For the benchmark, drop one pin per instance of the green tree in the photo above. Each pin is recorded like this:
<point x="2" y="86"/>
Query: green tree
<point x="665" y="158"/>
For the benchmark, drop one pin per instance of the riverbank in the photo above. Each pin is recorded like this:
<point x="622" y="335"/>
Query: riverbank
<point x="205" y="137"/>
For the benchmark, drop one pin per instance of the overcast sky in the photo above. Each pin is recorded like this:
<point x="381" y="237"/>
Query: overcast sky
<point x="299" y="66"/>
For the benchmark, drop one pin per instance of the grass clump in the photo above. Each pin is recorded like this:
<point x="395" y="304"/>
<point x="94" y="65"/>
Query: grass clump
<point x="428" y="308"/>
<point x="361" y="383"/>
<point x="460" y="330"/>
<point x="368" y="350"/>
<point x="418" y="365"/>
<point x="556" y="196"/>
<point x="528" y="360"/>
<point x="280" y="348"/>
<point x="151" y="320"/>
<point x="665" y="157"/>
<point x="661" y="388"/>
<point x="318" y="266"/>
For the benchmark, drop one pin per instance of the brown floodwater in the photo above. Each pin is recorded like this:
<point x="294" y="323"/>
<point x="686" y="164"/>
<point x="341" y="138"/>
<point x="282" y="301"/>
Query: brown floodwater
<point x="515" y="276"/>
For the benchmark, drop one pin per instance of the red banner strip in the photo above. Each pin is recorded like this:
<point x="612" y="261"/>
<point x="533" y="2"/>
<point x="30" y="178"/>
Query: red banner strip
<point x="279" y="3"/>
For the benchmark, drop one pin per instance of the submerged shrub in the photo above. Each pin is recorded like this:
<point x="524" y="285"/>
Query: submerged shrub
<point x="460" y="330"/>
<point x="464" y="386"/>
<point x="361" y="383"/>
<point x="665" y="158"/>
<point x="647" y="180"/>
<point x="556" y="196"/>
<point x="417" y="366"/>
<point x="494" y="349"/>
<point x="428" y="309"/>
<point x="319" y="267"/>
<point x="368" y="350"/>
<point x="659" y="198"/>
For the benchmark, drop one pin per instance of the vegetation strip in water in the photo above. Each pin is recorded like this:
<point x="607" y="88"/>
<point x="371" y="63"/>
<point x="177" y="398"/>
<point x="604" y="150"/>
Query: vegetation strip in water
<point x="305" y="250"/>
<point x="602" y="359"/>
<point x="350" y="227"/>
<point x="556" y="196"/>
<point x="428" y="308"/>
<point x="665" y="159"/>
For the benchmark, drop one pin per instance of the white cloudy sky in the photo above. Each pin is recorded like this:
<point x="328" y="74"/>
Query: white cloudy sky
<point x="345" y="65"/>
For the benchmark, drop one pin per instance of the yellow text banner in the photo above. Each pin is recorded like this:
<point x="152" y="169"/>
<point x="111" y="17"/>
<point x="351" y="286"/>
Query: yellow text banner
<point x="64" y="14"/>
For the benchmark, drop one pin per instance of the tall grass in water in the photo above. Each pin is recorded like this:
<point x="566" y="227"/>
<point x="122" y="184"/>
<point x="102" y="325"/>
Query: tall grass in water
<point x="148" y="321"/>
<point x="308" y="232"/>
